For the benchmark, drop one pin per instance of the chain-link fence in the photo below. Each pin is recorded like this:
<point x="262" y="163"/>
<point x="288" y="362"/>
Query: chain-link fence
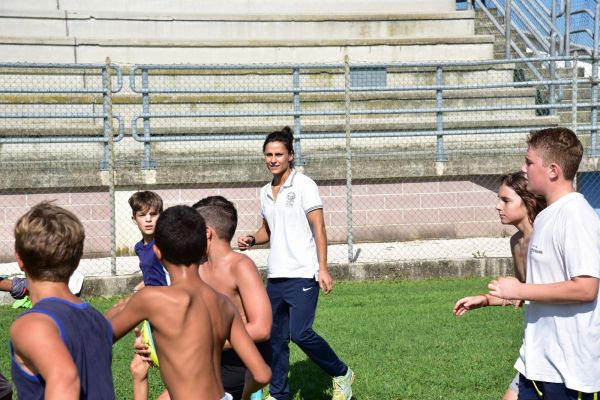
<point x="407" y="156"/>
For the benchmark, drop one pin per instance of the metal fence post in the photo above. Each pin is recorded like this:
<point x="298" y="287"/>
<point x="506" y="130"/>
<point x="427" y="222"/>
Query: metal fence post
<point x="106" y="111"/>
<point x="574" y="94"/>
<point x="147" y="162"/>
<point x="109" y="134"/>
<point x="507" y="28"/>
<point x="567" y="38"/>
<point x="348" y="159"/>
<point x="552" y="87"/>
<point x="553" y="53"/>
<point x="298" y="159"/>
<point x="440" y="155"/>
<point x="594" y="131"/>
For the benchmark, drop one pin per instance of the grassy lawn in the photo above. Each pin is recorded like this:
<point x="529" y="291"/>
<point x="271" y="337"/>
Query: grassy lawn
<point x="400" y="338"/>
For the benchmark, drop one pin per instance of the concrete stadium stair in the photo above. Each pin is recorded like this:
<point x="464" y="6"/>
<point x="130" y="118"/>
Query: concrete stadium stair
<point x="238" y="32"/>
<point x="321" y="7"/>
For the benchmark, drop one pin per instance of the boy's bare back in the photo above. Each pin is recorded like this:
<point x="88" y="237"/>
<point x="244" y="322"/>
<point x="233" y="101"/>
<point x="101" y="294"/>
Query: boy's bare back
<point x="190" y="321"/>
<point x="179" y="316"/>
<point x="231" y="274"/>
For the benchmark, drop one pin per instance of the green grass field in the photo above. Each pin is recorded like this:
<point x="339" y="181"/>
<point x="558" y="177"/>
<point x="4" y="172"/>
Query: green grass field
<point x="400" y="338"/>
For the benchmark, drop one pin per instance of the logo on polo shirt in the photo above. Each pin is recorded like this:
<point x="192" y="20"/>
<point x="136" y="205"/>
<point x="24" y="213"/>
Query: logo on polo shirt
<point x="291" y="196"/>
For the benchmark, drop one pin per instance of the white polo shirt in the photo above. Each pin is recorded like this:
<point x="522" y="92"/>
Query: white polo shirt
<point x="293" y="251"/>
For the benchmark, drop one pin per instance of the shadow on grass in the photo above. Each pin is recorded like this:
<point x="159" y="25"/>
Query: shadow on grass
<point x="309" y="382"/>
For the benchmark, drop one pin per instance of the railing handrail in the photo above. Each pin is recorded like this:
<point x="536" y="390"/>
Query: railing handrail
<point x="105" y="74"/>
<point x="56" y="66"/>
<point x="147" y="90"/>
<point x="539" y="20"/>
<point x="295" y="87"/>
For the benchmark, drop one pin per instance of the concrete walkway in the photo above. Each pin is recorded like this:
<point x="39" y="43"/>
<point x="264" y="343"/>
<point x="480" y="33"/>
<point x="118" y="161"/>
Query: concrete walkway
<point x="364" y="253"/>
<point x="393" y="260"/>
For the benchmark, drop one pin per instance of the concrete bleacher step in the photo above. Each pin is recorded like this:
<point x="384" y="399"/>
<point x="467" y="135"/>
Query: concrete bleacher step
<point x="93" y="50"/>
<point x="392" y="135"/>
<point x="144" y="25"/>
<point x="259" y="76"/>
<point x="238" y="31"/>
<point x="235" y="6"/>
<point x="233" y="126"/>
<point x="129" y="106"/>
<point x="584" y="117"/>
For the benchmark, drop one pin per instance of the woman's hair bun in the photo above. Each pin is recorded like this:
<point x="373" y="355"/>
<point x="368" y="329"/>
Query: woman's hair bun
<point x="286" y="130"/>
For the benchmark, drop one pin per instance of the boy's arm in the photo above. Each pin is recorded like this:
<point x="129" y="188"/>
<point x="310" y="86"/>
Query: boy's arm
<point x="580" y="289"/>
<point x="261" y="236"/>
<point x="462" y="306"/>
<point x="317" y="225"/>
<point x="5" y="284"/>
<point x="247" y="351"/>
<point x="139" y="372"/>
<point x="254" y="300"/>
<point x="38" y="345"/>
<point x="17" y="287"/>
<point x="127" y="313"/>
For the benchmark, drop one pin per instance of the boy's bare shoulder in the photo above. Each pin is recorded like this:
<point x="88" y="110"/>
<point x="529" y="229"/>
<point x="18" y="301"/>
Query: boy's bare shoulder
<point x="32" y="328"/>
<point x="241" y="262"/>
<point x="211" y="295"/>
<point x="156" y="298"/>
<point x="150" y="293"/>
<point x="223" y="303"/>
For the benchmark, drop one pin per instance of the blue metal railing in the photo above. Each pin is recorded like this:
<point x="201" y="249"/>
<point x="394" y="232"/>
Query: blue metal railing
<point x="571" y="21"/>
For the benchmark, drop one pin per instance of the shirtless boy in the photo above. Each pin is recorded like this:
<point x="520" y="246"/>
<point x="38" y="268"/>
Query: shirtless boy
<point x="235" y="275"/>
<point x="189" y="320"/>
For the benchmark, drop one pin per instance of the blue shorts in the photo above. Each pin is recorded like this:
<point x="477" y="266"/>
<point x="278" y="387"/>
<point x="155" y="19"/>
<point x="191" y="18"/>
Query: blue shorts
<point x="536" y="390"/>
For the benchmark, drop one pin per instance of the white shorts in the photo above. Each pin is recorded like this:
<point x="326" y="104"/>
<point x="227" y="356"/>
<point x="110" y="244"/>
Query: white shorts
<point x="514" y="385"/>
<point x="227" y="396"/>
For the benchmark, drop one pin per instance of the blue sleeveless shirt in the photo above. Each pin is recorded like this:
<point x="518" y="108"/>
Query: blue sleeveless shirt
<point x="88" y="336"/>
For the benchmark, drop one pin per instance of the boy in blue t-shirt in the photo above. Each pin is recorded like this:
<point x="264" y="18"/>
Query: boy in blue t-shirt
<point x="146" y="206"/>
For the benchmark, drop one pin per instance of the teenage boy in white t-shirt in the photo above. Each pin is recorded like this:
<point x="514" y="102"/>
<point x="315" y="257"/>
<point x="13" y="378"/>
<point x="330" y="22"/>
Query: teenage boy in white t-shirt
<point x="560" y="355"/>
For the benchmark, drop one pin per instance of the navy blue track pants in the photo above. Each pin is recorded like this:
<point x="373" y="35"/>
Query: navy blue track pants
<point x="294" y="302"/>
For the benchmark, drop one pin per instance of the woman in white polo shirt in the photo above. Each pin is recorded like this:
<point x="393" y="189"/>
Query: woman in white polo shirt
<point x="293" y="223"/>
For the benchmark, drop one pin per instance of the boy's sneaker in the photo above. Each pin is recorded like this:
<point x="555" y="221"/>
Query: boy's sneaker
<point x="342" y="386"/>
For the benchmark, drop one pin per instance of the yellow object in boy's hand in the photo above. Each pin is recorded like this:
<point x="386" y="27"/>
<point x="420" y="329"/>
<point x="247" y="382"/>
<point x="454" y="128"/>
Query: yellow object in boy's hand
<point x="149" y="341"/>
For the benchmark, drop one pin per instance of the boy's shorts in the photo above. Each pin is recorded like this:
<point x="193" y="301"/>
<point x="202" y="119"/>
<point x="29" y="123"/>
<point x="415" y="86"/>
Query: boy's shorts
<point x="233" y="370"/>
<point x="5" y="387"/>
<point x="226" y="396"/>
<point x="536" y="390"/>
